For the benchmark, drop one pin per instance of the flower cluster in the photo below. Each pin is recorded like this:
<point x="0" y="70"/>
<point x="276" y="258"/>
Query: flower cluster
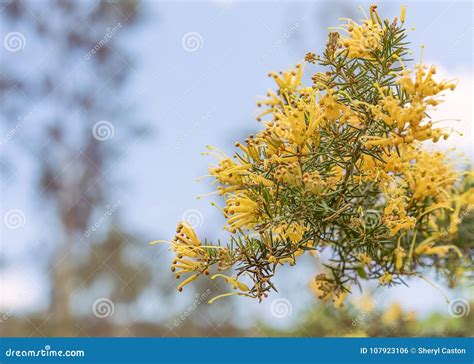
<point x="338" y="166"/>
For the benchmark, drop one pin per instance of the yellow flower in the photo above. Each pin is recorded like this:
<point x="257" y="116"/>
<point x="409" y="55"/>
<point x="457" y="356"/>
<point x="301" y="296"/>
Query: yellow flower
<point x="370" y="169"/>
<point x="321" y="286"/>
<point x="293" y="231"/>
<point x="310" y="57"/>
<point x="364" y="39"/>
<point x="290" y="80"/>
<point x="399" y="255"/>
<point x="252" y="150"/>
<point x="337" y="174"/>
<point x="392" y="314"/>
<point x="403" y="12"/>
<point x="365" y="303"/>
<point x="187" y="281"/>
<point x="272" y="259"/>
<point x="396" y="218"/>
<point x="325" y="289"/>
<point x="313" y="182"/>
<point x="332" y="109"/>
<point x="392" y="112"/>
<point x="229" y="172"/>
<point x="321" y="80"/>
<point x="364" y="259"/>
<point x="349" y="143"/>
<point x="242" y="212"/>
<point x="410" y="316"/>
<point x="191" y="257"/>
<point x="233" y="281"/>
<point x="431" y="177"/>
<point x="186" y="243"/>
<point x="289" y="173"/>
<point x="338" y="299"/>
<point x="423" y="85"/>
<point x="385" y="279"/>
<point x="427" y="248"/>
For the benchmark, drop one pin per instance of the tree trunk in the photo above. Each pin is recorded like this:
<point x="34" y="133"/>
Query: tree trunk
<point x="62" y="290"/>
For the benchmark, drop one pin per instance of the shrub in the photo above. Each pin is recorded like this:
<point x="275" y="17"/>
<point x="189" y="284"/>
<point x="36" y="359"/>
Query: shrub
<point x="338" y="165"/>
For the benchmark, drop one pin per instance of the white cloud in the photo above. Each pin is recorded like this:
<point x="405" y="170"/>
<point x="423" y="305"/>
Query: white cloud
<point x="457" y="108"/>
<point x="18" y="292"/>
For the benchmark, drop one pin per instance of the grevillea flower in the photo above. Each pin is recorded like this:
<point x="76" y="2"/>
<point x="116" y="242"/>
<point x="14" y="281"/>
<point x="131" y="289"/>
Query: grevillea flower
<point x="364" y="39"/>
<point x="338" y="165"/>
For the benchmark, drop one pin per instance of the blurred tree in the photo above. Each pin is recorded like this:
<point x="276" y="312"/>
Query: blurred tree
<point x="364" y="318"/>
<point x="63" y="74"/>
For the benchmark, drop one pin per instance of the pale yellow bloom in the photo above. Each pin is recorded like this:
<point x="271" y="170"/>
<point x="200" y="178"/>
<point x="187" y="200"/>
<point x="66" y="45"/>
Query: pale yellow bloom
<point x="392" y="314"/>
<point x="233" y="282"/>
<point x="385" y="279"/>
<point x="403" y="12"/>
<point x="363" y="40"/>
